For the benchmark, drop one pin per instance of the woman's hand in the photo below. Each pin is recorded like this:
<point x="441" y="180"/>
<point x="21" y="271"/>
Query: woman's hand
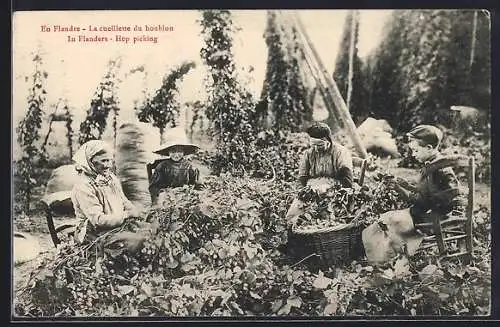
<point x="199" y="186"/>
<point x="133" y="212"/>
<point x="371" y="164"/>
<point x="128" y="214"/>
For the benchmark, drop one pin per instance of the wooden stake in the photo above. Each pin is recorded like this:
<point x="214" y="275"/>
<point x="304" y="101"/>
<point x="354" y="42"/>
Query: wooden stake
<point x="332" y="119"/>
<point x="333" y="92"/>
<point x="473" y="42"/>
<point x="351" y="59"/>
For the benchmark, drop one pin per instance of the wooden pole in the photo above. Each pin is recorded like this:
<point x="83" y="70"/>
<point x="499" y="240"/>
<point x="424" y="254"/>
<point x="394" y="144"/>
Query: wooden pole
<point x="473" y="42"/>
<point x="333" y="92"/>
<point x="332" y="119"/>
<point x="50" y="124"/>
<point x="350" y="74"/>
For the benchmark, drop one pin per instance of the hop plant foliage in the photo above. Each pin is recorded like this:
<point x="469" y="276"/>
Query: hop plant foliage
<point x="211" y="253"/>
<point x="28" y="132"/>
<point x="69" y="128"/>
<point x="229" y="107"/>
<point x="284" y="94"/>
<point x="358" y="105"/>
<point x="426" y="63"/>
<point x="104" y="101"/>
<point x="162" y="110"/>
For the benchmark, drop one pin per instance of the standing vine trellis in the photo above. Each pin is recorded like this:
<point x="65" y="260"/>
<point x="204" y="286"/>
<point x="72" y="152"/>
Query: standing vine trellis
<point x="104" y="101"/>
<point x="28" y="132"/>
<point x="163" y="109"/>
<point x="230" y="107"/>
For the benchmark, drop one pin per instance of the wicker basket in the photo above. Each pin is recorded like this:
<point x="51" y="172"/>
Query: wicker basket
<point x="326" y="247"/>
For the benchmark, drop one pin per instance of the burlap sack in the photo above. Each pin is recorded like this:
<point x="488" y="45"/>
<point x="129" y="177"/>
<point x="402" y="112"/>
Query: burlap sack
<point x="62" y="179"/>
<point x="390" y="235"/>
<point x="133" y="153"/>
<point x="26" y="248"/>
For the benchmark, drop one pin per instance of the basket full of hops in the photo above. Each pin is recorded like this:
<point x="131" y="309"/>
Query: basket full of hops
<point x="328" y="232"/>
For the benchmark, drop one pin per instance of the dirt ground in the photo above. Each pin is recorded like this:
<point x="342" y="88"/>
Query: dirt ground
<point x="37" y="227"/>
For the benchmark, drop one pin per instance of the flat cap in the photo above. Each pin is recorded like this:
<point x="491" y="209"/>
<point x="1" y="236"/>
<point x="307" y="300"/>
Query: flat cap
<point x="428" y="134"/>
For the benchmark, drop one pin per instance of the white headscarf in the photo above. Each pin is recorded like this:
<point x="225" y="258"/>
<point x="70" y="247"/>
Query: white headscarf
<point x="83" y="157"/>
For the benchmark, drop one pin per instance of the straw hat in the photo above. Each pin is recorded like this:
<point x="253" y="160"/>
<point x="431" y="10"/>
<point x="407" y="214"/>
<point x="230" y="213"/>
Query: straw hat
<point x="176" y="137"/>
<point x="384" y="239"/>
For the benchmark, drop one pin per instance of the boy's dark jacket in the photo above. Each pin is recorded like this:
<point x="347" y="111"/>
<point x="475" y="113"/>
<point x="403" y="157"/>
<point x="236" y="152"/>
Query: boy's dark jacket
<point x="436" y="191"/>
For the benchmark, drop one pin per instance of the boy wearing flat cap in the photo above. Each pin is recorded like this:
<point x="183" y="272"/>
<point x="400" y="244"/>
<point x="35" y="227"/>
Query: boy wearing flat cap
<point x="175" y="170"/>
<point x="432" y="191"/>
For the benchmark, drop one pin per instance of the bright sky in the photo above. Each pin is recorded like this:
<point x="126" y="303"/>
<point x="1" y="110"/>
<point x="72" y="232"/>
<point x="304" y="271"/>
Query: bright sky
<point x="75" y="69"/>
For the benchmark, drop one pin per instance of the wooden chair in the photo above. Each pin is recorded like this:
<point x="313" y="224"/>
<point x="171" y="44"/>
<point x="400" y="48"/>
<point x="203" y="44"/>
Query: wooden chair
<point x="150" y="167"/>
<point x="445" y="231"/>
<point x="59" y="205"/>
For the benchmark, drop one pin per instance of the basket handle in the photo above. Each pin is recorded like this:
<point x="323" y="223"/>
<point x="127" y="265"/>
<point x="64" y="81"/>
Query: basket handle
<point x="356" y="219"/>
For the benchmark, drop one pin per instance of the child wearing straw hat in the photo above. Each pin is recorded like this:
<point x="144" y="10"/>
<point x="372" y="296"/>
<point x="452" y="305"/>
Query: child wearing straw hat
<point x="175" y="170"/>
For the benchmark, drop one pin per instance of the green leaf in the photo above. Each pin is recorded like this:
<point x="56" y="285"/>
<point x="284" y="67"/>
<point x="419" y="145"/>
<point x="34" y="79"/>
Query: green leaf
<point x="172" y="264"/>
<point x="428" y="271"/>
<point x="294" y="301"/>
<point x="246" y="220"/>
<point x="187" y="291"/>
<point x="388" y="274"/>
<point x="443" y="296"/>
<point x="255" y="296"/>
<point x="146" y="288"/>
<point x="245" y="204"/>
<point x="250" y="251"/>
<point x="402" y="267"/>
<point x="285" y="310"/>
<point x="125" y="289"/>
<point x="296" y="275"/>
<point x="276" y="305"/>
<point x="236" y="307"/>
<point x="321" y="282"/>
<point x="186" y="257"/>
<point x="219" y="243"/>
<point x="330" y="309"/>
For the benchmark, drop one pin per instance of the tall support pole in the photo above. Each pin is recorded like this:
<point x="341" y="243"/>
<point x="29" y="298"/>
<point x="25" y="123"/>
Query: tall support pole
<point x="350" y="75"/>
<point x="332" y="119"/>
<point x="473" y="40"/>
<point x="333" y="92"/>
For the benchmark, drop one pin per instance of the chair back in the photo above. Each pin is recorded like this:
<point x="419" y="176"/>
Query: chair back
<point x="362" y="163"/>
<point x="150" y="167"/>
<point x="455" y="161"/>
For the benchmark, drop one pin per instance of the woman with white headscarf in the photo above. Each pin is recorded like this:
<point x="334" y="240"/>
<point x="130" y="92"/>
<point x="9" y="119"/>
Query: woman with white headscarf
<point x="98" y="198"/>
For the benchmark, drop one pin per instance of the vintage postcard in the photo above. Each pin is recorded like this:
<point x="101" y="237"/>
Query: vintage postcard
<point x="251" y="163"/>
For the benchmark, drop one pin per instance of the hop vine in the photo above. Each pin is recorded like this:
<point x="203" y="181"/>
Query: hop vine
<point x="104" y="101"/>
<point x="284" y="96"/>
<point x="163" y="109"/>
<point x="230" y="107"/>
<point x="28" y="132"/>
